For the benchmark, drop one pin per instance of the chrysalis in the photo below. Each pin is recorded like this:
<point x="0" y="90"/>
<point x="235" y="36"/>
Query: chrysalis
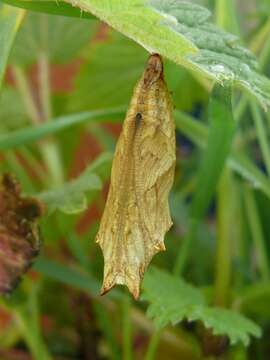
<point x="136" y="215"/>
<point x="19" y="235"/>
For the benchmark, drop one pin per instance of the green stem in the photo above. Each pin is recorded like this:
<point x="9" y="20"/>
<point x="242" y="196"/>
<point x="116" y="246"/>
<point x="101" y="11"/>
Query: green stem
<point x="241" y="108"/>
<point x="153" y="345"/>
<point x="261" y="40"/>
<point x="258" y="41"/>
<point x="33" y="163"/>
<point x="19" y="170"/>
<point x="261" y="134"/>
<point x="27" y="318"/>
<point x="179" y="265"/>
<point x="127" y="329"/>
<point x="50" y="150"/>
<point x="256" y="232"/>
<point x="224" y="241"/>
<point x="26" y="94"/>
<point x="44" y="81"/>
<point x="264" y="56"/>
<point x="183" y="255"/>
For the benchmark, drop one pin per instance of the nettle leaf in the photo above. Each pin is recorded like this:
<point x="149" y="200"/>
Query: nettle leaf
<point x="180" y="31"/>
<point x="71" y="198"/>
<point x="62" y="37"/>
<point x="121" y="60"/>
<point x="173" y="300"/>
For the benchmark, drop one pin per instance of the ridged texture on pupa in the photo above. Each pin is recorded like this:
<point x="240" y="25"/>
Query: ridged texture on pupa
<point x="19" y="235"/>
<point x="136" y="215"/>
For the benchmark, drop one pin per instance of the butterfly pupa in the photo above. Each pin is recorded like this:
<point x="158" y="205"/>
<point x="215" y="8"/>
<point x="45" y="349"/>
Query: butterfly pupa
<point x="136" y="215"/>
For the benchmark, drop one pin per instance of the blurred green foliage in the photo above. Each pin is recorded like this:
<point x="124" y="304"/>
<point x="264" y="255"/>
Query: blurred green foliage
<point x="68" y="85"/>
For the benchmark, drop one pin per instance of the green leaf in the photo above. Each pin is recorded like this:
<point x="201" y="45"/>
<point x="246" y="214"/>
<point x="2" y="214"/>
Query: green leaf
<point x="227" y="322"/>
<point x="172" y="300"/>
<point x="122" y="60"/>
<point x="221" y="132"/>
<point x="114" y="67"/>
<point x="49" y="7"/>
<point x="10" y="20"/>
<point x="61" y="37"/>
<point x="70" y="198"/>
<point x="180" y="31"/>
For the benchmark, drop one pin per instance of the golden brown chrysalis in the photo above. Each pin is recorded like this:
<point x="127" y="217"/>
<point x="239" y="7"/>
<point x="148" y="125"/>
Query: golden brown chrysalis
<point x="136" y="215"/>
<point x="19" y="235"/>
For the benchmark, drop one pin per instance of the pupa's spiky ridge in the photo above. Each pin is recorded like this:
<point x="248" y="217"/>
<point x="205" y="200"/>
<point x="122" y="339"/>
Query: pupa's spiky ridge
<point x="136" y="215"/>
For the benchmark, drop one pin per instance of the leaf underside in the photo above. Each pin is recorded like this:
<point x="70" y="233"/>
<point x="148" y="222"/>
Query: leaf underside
<point x="182" y="32"/>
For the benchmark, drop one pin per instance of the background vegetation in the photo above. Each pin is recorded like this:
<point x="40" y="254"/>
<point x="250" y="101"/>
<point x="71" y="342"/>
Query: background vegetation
<point x="66" y="80"/>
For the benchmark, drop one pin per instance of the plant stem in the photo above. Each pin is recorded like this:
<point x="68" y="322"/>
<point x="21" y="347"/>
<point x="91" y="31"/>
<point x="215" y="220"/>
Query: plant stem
<point x="47" y="148"/>
<point x="261" y="134"/>
<point x="127" y="329"/>
<point x="26" y="94"/>
<point x="44" y="81"/>
<point x="19" y="170"/>
<point x="179" y="265"/>
<point x="224" y="239"/>
<point x="27" y="318"/>
<point x="260" y="40"/>
<point x="182" y="255"/>
<point x="33" y="163"/>
<point x="153" y="345"/>
<point x="50" y="150"/>
<point x="256" y="232"/>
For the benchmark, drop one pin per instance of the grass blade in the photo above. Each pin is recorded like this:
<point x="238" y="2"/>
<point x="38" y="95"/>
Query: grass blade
<point x="10" y="20"/>
<point x="70" y="276"/>
<point x="221" y="132"/>
<point x="239" y="162"/>
<point x="28" y="135"/>
<point x="222" y="129"/>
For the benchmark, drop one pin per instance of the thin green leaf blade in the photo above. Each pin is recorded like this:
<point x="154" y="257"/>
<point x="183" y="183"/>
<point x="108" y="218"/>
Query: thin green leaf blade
<point x="239" y="162"/>
<point x="71" y="276"/>
<point x="222" y="129"/>
<point x="10" y="20"/>
<point x="28" y="135"/>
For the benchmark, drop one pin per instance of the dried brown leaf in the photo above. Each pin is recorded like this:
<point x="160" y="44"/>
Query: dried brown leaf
<point x="19" y="236"/>
<point x="136" y="215"/>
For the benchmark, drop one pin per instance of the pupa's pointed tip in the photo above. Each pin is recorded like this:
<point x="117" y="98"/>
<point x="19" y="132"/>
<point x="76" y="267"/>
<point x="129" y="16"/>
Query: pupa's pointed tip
<point x="106" y="287"/>
<point x="133" y="287"/>
<point x="160" y="246"/>
<point x="135" y="291"/>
